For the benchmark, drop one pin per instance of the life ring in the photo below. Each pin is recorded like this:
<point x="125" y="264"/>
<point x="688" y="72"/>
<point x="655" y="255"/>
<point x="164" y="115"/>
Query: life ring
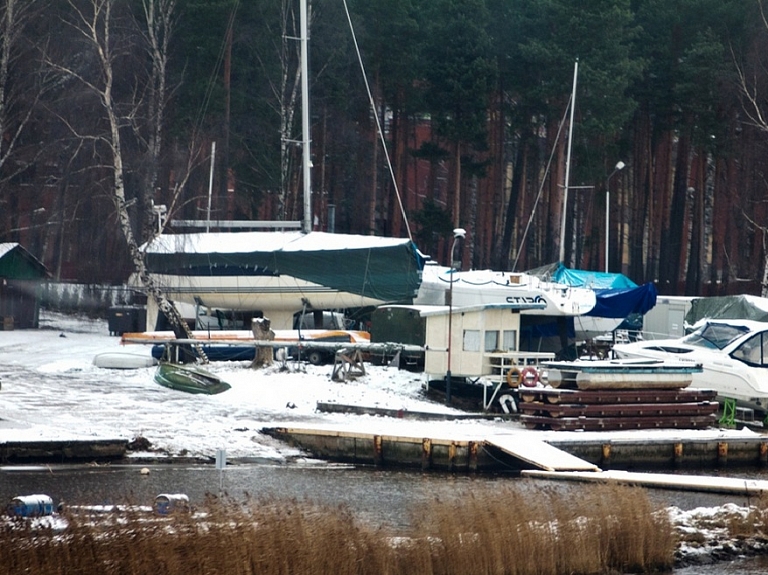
<point x="529" y="377"/>
<point x="508" y="404"/>
<point x="513" y="376"/>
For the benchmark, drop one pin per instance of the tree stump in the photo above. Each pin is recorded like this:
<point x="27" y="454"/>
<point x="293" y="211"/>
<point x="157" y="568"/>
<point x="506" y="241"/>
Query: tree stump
<point x="264" y="355"/>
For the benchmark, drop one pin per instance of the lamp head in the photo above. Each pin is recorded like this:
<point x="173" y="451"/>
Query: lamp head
<point x="459" y="233"/>
<point x="620" y="165"/>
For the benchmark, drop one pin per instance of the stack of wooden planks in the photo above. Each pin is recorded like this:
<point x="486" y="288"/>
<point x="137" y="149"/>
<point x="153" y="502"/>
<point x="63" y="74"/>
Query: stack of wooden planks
<point x="594" y="396"/>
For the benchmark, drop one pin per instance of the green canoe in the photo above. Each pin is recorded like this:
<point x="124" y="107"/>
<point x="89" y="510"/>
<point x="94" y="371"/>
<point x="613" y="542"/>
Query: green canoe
<point x="189" y="378"/>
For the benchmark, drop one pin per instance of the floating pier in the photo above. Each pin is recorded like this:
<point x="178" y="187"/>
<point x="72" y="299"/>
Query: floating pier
<point x="489" y="453"/>
<point x="703" y="483"/>
<point x="514" y="452"/>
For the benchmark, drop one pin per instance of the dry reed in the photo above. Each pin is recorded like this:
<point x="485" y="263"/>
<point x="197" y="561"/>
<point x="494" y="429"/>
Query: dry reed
<point x="600" y="530"/>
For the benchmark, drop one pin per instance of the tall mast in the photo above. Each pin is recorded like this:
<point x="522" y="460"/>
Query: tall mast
<point x="305" y="135"/>
<point x="568" y="164"/>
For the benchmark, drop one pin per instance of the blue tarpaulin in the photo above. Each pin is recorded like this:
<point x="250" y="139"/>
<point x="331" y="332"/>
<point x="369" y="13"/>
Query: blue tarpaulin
<point x="589" y="279"/>
<point x="623" y="302"/>
<point x="617" y="295"/>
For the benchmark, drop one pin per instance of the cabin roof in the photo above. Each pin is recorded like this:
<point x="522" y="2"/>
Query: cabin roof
<point x="17" y="263"/>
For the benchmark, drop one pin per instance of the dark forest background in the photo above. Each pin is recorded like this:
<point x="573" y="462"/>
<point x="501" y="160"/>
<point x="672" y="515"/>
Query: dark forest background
<point x="472" y="96"/>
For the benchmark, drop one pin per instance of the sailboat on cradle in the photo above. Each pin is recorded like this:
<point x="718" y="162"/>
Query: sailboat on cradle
<point x="283" y="273"/>
<point x="280" y="273"/>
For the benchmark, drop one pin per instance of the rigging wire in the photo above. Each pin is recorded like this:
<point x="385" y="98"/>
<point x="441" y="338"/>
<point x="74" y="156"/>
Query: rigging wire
<point x="378" y="123"/>
<point x="541" y="186"/>
<point x="215" y="72"/>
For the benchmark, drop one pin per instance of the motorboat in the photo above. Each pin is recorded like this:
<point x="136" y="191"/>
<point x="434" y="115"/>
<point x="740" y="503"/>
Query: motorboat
<point x="733" y="355"/>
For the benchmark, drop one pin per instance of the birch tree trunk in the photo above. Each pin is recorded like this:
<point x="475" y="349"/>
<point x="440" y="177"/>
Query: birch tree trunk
<point x="95" y="27"/>
<point x="20" y="103"/>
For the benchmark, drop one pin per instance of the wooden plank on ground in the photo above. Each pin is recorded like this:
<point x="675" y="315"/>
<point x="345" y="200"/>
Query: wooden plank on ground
<point x="539" y="453"/>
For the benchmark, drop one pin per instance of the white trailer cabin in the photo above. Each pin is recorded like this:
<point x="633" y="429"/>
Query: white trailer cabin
<point x="667" y="318"/>
<point x="484" y="341"/>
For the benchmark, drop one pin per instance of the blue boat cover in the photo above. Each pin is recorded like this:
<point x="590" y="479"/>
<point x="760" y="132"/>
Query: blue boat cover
<point x="617" y="295"/>
<point x="620" y="303"/>
<point x="590" y="279"/>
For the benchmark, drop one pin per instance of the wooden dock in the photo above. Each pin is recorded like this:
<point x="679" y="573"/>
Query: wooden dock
<point x="58" y="451"/>
<point x="514" y="452"/>
<point x="490" y="453"/>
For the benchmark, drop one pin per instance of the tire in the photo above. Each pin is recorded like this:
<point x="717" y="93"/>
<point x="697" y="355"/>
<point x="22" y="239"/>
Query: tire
<point x="316" y="357"/>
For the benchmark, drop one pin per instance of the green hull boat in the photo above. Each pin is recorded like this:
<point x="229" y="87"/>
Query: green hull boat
<point x="189" y="378"/>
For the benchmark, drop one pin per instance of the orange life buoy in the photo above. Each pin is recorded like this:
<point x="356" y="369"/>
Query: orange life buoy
<point x="529" y="377"/>
<point x="513" y="377"/>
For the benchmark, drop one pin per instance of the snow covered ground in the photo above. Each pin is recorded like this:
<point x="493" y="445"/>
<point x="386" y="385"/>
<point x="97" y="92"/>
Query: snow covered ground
<point x="52" y="390"/>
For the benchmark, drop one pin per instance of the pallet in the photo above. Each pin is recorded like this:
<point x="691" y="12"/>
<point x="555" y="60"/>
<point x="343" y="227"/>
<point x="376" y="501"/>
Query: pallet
<point x="616" y="423"/>
<point x="604" y="396"/>
<point x="618" y="410"/>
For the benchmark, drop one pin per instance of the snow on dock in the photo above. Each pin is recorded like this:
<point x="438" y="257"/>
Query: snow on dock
<point x="539" y="454"/>
<point x="703" y="483"/>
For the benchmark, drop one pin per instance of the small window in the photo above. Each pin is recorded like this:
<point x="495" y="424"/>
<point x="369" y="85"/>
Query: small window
<point x="471" y="340"/>
<point x="491" y="341"/>
<point x="510" y="340"/>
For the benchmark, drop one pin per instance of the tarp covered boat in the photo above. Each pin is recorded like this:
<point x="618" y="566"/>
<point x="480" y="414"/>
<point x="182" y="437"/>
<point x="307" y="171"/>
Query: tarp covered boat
<point x="617" y="297"/>
<point x="280" y="273"/>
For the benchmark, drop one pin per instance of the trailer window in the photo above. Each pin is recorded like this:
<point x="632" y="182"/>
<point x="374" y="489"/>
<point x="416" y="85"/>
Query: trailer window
<point x="509" y="342"/>
<point x="491" y="341"/>
<point x="471" y="340"/>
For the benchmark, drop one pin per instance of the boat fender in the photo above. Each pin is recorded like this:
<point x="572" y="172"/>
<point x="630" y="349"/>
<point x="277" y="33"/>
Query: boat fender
<point x="508" y="403"/>
<point x="529" y="377"/>
<point x="513" y="377"/>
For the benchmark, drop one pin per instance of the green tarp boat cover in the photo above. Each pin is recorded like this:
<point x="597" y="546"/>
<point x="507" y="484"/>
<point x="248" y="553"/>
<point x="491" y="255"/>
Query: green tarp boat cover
<point x="728" y="307"/>
<point x="387" y="269"/>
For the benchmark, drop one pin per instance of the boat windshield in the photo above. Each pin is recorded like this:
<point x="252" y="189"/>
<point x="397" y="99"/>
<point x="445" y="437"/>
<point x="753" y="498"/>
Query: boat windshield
<point x="754" y="351"/>
<point x="715" y="335"/>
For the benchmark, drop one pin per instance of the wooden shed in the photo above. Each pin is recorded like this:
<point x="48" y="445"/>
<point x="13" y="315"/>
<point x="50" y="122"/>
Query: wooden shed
<point x="484" y="341"/>
<point x="20" y="283"/>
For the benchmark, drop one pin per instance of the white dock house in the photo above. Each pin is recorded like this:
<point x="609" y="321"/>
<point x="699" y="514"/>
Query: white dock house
<point x="483" y="342"/>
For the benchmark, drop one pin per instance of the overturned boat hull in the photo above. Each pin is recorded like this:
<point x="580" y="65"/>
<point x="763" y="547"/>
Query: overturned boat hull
<point x="190" y="379"/>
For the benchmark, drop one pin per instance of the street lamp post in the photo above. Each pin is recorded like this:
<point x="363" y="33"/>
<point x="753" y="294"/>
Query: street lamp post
<point x="619" y="166"/>
<point x="458" y="233"/>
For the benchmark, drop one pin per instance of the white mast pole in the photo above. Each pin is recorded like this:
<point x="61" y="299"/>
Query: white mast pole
<point x="568" y="163"/>
<point x="210" y="186"/>
<point x="306" y="158"/>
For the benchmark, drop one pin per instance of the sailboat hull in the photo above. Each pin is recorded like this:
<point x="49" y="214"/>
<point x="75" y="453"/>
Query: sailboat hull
<point x="480" y="287"/>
